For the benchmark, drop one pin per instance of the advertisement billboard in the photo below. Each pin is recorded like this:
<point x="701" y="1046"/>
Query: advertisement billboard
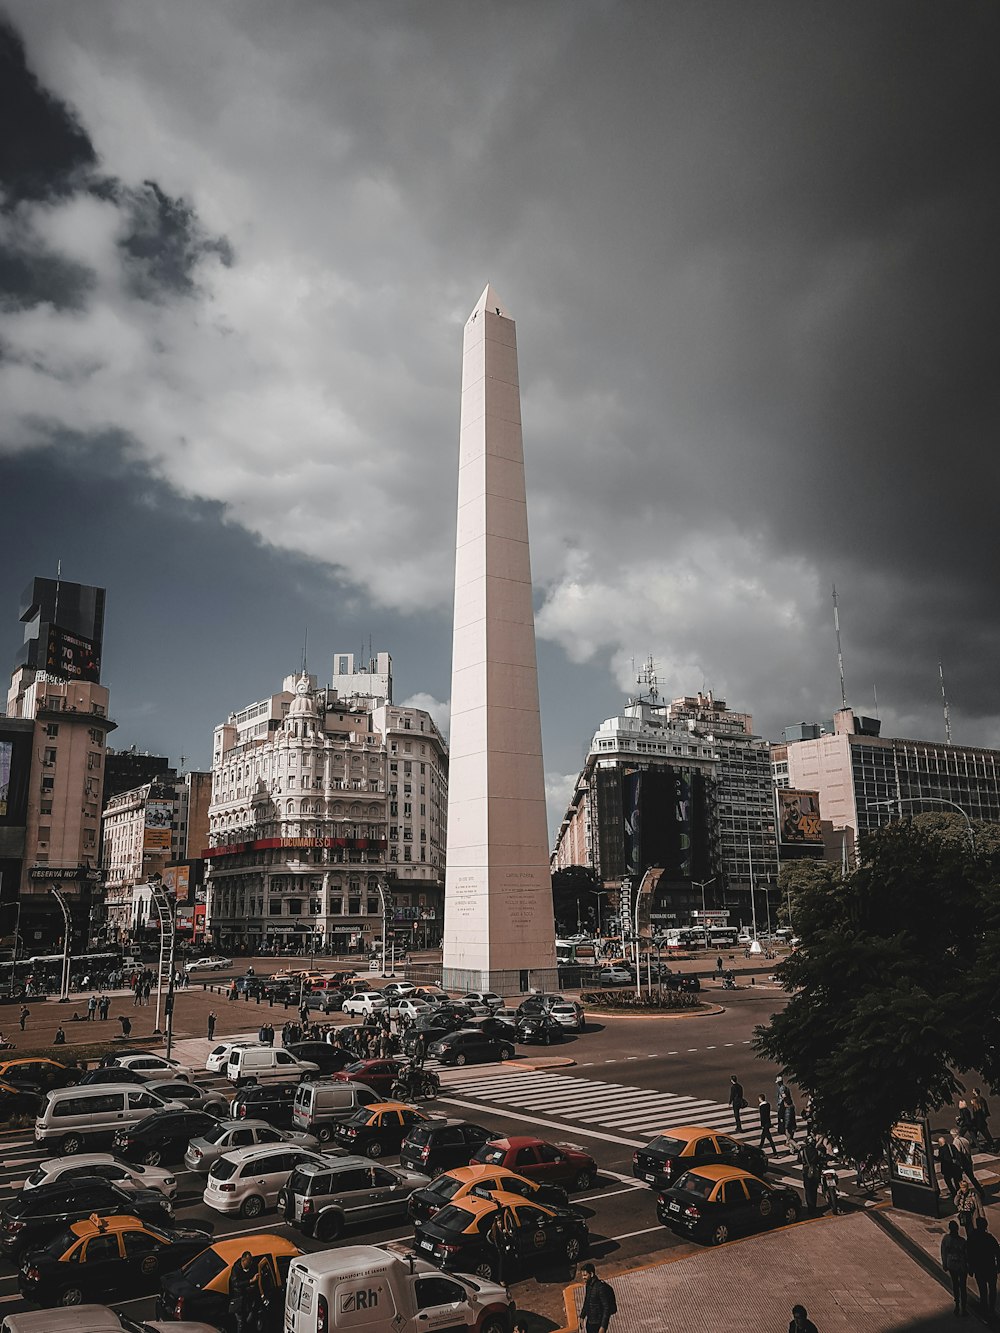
<point x="156" y="836"/>
<point x="71" y="657"/>
<point x="910" y="1155"/>
<point x="798" y="817"/>
<point x="6" y="753"/>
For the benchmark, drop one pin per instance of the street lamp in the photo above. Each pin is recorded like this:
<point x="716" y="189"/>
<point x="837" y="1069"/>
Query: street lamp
<point x="385" y="917"/>
<point x="67" y="934"/>
<point x="703" y="885"/>
<point x="168" y="937"/>
<point x="598" y="894"/>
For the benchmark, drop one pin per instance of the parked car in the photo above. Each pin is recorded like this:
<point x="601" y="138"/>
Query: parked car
<point x="377" y="1129"/>
<point x="190" y="1094"/>
<point x="18" y="1101"/>
<point x="364" y="1002"/>
<point x="227" y="1135"/>
<point x="684" y="1147"/>
<point x="30" y="1219"/>
<point x="108" y="1257"/>
<point x="483" y="1181"/>
<point x="266" y="1064"/>
<point x="325" y="1201"/>
<point x="327" y="1059"/>
<point x="488" y="997"/>
<point x="111" y="1074"/>
<point x="469" y="1046"/>
<point x="162" y="1136"/>
<point x="268" y="1101"/>
<point x="713" y="1203"/>
<point x="570" y="1014"/>
<point x="540" y="1029"/>
<point x="247" y="1180"/>
<point x="407" y="1007"/>
<point x="398" y="989"/>
<point x="128" y="1176"/>
<point x="200" y="1290"/>
<point x="536" y="1004"/>
<point x="36" y="1074"/>
<point x="457" y="1237"/>
<point x="154" y="1066"/>
<point x="554" y="1163"/>
<point x="218" y="1057"/>
<point x="436" y="1145"/>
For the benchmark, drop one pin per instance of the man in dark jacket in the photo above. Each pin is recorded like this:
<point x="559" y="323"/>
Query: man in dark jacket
<point x="244" y="1293"/>
<point x="764" y="1112"/>
<point x="595" y="1312"/>
<point x="955" y="1262"/>
<point x="951" y="1167"/>
<point x="736" y="1101"/>
<point x="984" y="1262"/>
<point x="801" y="1323"/>
<point x="813" y="1159"/>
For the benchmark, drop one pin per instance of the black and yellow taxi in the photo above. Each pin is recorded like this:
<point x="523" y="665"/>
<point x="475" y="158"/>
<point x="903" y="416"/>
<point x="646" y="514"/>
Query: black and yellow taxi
<point x="500" y="1237"/>
<point x="36" y="1074"/>
<point x="377" y="1129"/>
<point x="683" y="1147"/>
<point x="714" y="1203"/>
<point x="106" y="1257"/>
<point x="200" y="1290"/>
<point x="482" y="1181"/>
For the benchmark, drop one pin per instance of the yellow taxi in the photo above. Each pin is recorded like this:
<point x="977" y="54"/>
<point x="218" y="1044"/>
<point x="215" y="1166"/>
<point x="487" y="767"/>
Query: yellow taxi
<point x="37" y="1072"/>
<point x="499" y="1237"/>
<point x="481" y="1180"/>
<point x="200" y="1291"/>
<point x="106" y="1258"/>
<point x="377" y="1129"/>
<point x="682" y="1147"/>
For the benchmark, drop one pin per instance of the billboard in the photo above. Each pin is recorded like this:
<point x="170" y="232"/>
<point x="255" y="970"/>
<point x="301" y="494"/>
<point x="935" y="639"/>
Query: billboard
<point x="6" y="753"/>
<point x="798" y="817"/>
<point x="156" y="836"/>
<point x="71" y="657"/>
<point x="911" y="1158"/>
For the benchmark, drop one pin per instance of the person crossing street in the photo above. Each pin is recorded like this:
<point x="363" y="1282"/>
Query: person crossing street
<point x="765" y="1114"/>
<point x="737" y="1101"/>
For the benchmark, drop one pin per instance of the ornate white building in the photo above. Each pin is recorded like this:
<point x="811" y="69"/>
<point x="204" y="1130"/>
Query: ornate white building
<point x="298" y="823"/>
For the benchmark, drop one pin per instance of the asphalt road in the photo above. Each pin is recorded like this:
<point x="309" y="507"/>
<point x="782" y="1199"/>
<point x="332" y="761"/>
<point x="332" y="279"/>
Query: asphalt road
<point x="631" y="1075"/>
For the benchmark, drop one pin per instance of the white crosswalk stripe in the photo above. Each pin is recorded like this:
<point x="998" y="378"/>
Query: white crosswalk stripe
<point x="616" y="1106"/>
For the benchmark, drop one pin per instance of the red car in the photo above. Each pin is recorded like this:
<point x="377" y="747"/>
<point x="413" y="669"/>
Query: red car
<point x="554" y="1164"/>
<point x="379" y="1075"/>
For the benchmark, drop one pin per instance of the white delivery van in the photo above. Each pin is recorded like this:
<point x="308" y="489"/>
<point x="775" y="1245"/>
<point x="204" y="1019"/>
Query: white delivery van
<point x="369" y="1289"/>
<point x="265" y="1064"/>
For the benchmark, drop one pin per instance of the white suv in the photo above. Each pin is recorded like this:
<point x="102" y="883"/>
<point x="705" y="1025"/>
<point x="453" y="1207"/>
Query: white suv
<point x="214" y="964"/>
<point x="365" y="1002"/>
<point x="248" y="1180"/>
<point x="154" y="1067"/>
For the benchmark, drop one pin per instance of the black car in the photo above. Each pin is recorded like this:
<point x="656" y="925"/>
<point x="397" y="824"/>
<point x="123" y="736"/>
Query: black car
<point x="195" y="1291"/>
<point x="492" y="1027"/>
<point x="111" y="1074"/>
<point x="162" y="1136"/>
<point x="39" y="1075"/>
<point x="16" y="1101"/>
<point x="715" y="1203"/>
<point x="331" y="1059"/>
<point x="430" y="1033"/>
<point x="667" y="1157"/>
<point x="470" y="1047"/>
<point x="433" y="1146"/>
<point x="106" y="1257"/>
<point x="31" y="1219"/>
<point x="269" y="1101"/>
<point x="541" y="1029"/>
<point x="449" y="1015"/>
<point x="538" y="1004"/>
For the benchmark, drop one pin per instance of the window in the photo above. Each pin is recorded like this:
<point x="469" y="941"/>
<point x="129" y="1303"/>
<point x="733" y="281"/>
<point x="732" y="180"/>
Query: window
<point x="354" y="906"/>
<point x="94" y="759"/>
<point x="44" y="832"/>
<point x="433" y="1291"/>
<point x="50" y="754"/>
<point x="295" y="907"/>
<point x="138" y="1243"/>
<point x="102" y="1248"/>
<point x="372" y="906"/>
<point x="52" y="730"/>
<point x="274" y="907"/>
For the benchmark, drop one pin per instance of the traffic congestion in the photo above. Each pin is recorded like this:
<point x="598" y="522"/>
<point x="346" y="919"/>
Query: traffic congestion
<point x="347" y="1142"/>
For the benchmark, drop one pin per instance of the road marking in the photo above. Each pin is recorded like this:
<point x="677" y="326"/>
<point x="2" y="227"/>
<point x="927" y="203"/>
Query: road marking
<point x="629" y="1234"/>
<point x="610" y="1194"/>
<point x="546" y="1124"/>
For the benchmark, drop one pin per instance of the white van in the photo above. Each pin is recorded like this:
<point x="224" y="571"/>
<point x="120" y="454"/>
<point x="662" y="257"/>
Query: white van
<point x="322" y="1104"/>
<point x="265" y="1064"/>
<point x="74" y="1118"/>
<point x="365" y="1287"/>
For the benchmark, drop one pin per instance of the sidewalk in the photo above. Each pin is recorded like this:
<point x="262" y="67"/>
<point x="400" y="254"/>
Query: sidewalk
<point x="847" y="1272"/>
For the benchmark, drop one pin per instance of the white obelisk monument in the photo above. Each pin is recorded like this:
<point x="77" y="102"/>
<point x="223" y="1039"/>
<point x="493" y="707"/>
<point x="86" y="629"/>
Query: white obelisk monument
<point x="498" y="929"/>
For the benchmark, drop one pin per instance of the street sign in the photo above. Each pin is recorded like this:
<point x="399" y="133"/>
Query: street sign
<point x="721" y="914"/>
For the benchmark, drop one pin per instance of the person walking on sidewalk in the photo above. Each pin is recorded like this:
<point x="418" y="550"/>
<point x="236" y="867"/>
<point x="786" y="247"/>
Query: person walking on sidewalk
<point x="213" y="1018"/>
<point x="598" y="1302"/>
<point x="92" y="1009"/>
<point x="25" y="1015"/>
<point x="955" y="1262"/>
<point x="801" y="1323"/>
<point x="736" y="1101"/>
<point x="984" y="1261"/>
<point x="963" y="1151"/>
<point x="764" y="1112"/>
<point x="951" y="1167"/>
<point x="980" y="1109"/>
<point x="967" y="1206"/>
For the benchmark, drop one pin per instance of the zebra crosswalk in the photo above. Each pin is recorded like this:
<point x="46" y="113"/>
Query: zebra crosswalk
<point x="621" y="1107"/>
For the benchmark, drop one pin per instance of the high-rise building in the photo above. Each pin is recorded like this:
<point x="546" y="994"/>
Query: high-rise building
<point x="865" y="780"/>
<point x="56" y="685"/>
<point x="124" y="770"/>
<point x="685" y="788"/>
<point x="300" y="828"/>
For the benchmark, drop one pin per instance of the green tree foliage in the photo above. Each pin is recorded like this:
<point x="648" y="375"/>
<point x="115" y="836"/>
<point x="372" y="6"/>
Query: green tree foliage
<point x="572" y="899"/>
<point x="796" y="877"/>
<point x="895" y="989"/>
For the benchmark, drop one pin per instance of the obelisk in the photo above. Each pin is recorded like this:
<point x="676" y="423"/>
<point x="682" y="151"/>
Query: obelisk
<point x="498" y="928"/>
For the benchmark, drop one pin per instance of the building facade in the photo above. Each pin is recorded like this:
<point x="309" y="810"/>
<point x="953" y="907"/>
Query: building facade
<point x="301" y="822"/>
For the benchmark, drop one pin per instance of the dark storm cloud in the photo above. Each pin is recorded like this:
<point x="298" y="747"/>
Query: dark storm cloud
<point x="165" y="242"/>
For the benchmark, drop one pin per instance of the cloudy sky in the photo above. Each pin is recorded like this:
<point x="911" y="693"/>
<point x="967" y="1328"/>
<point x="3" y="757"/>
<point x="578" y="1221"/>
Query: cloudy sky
<point x="751" y="249"/>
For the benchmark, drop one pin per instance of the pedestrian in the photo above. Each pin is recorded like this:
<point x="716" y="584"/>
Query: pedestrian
<point x="955" y="1262"/>
<point x="270" y="1034"/>
<point x="137" y="994"/>
<point x="104" y="1007"/>
<point x="25" y="1015"/>
<point x="967" y="1206"/>
<point x="951" y="1167"/>
<point x="244" y="1293"/>
<point x="980" y="1108"/>
<point x="984" y="1263"/>
<point x="213" y="1018"/>
<point x="963" y="1151"/>
<point x="801" y="1323"/>
<point x="764" y="1112"/>
<point x="786" y="1117"/>
<point x="60" y="1037"/>
<point x="779" y="1089"/>
<point x="262" y="1034"/>
<point x="718" y="965"/>
<point x="92" y="1009"/>
<point x="598" y="1302"/>
<point x="964" y="1123"/>
<point x="737" y="1102"/>
<point x="811" y="1156"/>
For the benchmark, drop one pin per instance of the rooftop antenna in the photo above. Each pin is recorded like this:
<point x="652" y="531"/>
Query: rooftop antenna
<point x="55" y="613"/>
<point x="840" y="655"/>
<point x="647" y="676"/>
<point x="944" y="700"/>
<point x="305" y="648"/>
<point x="875" y="693"/>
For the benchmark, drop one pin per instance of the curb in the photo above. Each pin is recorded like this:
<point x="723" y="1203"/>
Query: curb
<point x="543" y="1062"/>
<point x="709" y="1011"/>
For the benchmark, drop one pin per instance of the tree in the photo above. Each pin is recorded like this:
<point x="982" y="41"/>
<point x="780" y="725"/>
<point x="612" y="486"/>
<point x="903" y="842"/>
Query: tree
<point x="572" y="901"/>
<point x="799" y="876"/>
<point x="893" y="990"/>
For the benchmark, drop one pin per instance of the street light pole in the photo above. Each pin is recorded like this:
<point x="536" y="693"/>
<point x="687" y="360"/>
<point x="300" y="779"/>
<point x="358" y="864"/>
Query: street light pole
<point x="703" y="885"/>
<point x="67" y="934"/>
